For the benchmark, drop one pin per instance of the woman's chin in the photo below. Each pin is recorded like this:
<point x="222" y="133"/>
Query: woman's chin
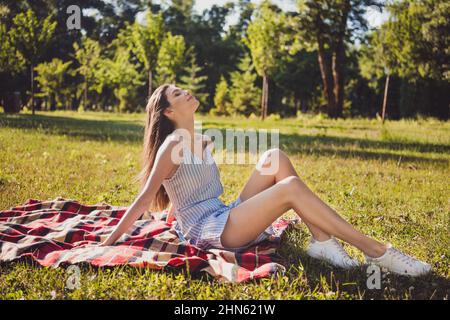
<point x="196" y="106"/>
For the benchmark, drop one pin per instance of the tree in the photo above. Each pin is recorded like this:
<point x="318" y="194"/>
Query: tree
<point x="411" y="45"/>
<point x="111" y="17"/>
<point x="178" y="16"/>
<point x="90" y="60"/>
<point x="419" y="37"/>
<point x="193" y="81"/>
<point x="11" y="59"/>
<point x="12" y="63"/>
<point x="146" y="42"/>
<point x="265" y="41"/>
<point x="377" y="60"/>
<point x="171" y="59"/>
<point x="124" y="77"/>
<point x="50" y="76"/>
<point x="31" y="36"/>
<point x="244" y="95"/>
<point x="326" y="26"/>
<point x="216" y="52"/>
<point x="299" y="77"/>
<point x="221" y="98"/>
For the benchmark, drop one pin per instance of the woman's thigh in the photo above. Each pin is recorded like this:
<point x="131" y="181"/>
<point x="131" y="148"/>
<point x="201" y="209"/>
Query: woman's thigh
<point x="251" y="217"/>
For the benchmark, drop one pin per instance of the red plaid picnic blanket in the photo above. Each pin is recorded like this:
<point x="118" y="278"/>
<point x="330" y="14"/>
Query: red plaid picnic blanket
<point x="59" y="231"/>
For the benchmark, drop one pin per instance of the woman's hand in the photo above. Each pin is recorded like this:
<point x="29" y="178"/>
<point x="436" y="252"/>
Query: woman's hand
<point x="170" y="216"/>
<point x="105" y="243"/>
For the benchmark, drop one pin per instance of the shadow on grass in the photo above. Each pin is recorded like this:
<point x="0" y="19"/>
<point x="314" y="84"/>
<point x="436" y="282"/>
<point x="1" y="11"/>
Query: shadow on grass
<point x="319" y="145"/>
<point x="353" y="282"/>
<point x="82" y="129"/>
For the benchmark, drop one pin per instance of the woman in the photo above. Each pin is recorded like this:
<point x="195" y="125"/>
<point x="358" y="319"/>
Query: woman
<point x="190" y="180"/>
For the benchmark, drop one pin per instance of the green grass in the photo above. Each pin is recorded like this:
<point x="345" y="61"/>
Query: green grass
<point x="390" y="182"/>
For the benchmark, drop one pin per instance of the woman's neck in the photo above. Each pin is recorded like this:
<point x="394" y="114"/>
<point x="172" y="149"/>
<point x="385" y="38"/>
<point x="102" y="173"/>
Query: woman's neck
<point x="188" y="125"/>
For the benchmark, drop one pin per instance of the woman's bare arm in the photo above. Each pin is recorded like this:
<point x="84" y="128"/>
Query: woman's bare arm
<point x="164" y="165"/>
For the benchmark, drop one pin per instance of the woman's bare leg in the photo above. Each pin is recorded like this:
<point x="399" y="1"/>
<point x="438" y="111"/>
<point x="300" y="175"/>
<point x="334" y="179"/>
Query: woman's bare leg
<point x="263" y="208"/>
<point x="259" y="182"/>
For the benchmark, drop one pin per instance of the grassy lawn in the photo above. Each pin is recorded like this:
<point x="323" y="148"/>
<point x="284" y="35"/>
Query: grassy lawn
<point x="391" y="182"/>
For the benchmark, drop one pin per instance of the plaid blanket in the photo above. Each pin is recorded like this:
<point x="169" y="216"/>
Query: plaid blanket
<point x="65" y="231"/>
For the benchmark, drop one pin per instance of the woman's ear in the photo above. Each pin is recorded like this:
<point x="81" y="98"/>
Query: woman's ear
<point x="168" y="113"/>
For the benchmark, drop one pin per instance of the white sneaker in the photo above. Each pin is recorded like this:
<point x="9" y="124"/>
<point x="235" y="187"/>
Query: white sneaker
<point x="398" y="262"/>
<point x="331" y="251"/>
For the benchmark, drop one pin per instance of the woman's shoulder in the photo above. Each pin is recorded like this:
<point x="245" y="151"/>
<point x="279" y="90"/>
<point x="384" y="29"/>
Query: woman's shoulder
<point x="170" y="146"/>
<point x="174" y="136"/>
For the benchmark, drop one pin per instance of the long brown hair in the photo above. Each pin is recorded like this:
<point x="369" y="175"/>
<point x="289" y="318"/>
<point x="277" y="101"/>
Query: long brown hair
<point x="157" y="128"/>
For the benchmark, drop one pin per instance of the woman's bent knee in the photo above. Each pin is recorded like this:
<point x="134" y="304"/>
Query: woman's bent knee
<point x="288" y="188"/>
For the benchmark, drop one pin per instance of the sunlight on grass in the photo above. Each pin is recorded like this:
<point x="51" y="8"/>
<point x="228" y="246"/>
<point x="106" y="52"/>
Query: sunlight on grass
<point x="389" y="181"/>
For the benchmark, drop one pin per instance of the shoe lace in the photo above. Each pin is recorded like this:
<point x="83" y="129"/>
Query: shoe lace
<point x="342" y="252"/>
<point x="403" y="257"/>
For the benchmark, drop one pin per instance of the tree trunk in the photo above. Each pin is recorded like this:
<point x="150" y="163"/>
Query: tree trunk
<point x="52" y="102"/>
<point x="325" y="72"/>
<point x="338" y="80"/>
<point x="11" y="102"/>
<point x="338" y="63"/>
<point x="266" y="102"/>
<point x="386" y="88"/>
<point x="150" y="84"/>
<point x="296" y="104"/>
<point x="264" y="97"/>
<point x="303" y="104"/>
<point x="32" y="88"/>
<point x="85" y="94"/>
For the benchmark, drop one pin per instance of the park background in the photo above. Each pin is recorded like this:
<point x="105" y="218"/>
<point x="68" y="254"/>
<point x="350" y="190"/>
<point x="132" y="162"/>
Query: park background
<point x="318" y="71"/>
<point x="341" y="58"/>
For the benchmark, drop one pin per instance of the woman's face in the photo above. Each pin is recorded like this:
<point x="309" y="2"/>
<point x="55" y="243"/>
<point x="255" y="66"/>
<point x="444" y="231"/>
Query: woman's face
<point x="182" y="104"/>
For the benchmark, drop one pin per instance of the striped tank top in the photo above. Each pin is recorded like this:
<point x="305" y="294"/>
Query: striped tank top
<point x="194" y="190"/>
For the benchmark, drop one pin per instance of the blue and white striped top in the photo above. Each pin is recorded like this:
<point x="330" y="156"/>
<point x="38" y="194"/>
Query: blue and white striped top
<point x="194" y="190"/>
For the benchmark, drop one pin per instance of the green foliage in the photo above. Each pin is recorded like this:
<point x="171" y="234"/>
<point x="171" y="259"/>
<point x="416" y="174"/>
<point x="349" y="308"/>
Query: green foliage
<point x="89" y="57"/>
<point x="11" y="59"/>
<point x="298" y="77"/>
<point x="264" y="39"/>
<point x="419" y="38"/>
<point x="171" y="59"/>
<point x="377" y="58"/>
<point x="193" y="81"/>
<point x="146" y="39"/>
<point x="222" y="98"/>
<point x="124" y="77"/>
<point x="245" y="96"/>
<point x="324" y="19"/>
<point x="412" y="45"/>
<point x="51" y="76"/>
<point x="31" y="35"/>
